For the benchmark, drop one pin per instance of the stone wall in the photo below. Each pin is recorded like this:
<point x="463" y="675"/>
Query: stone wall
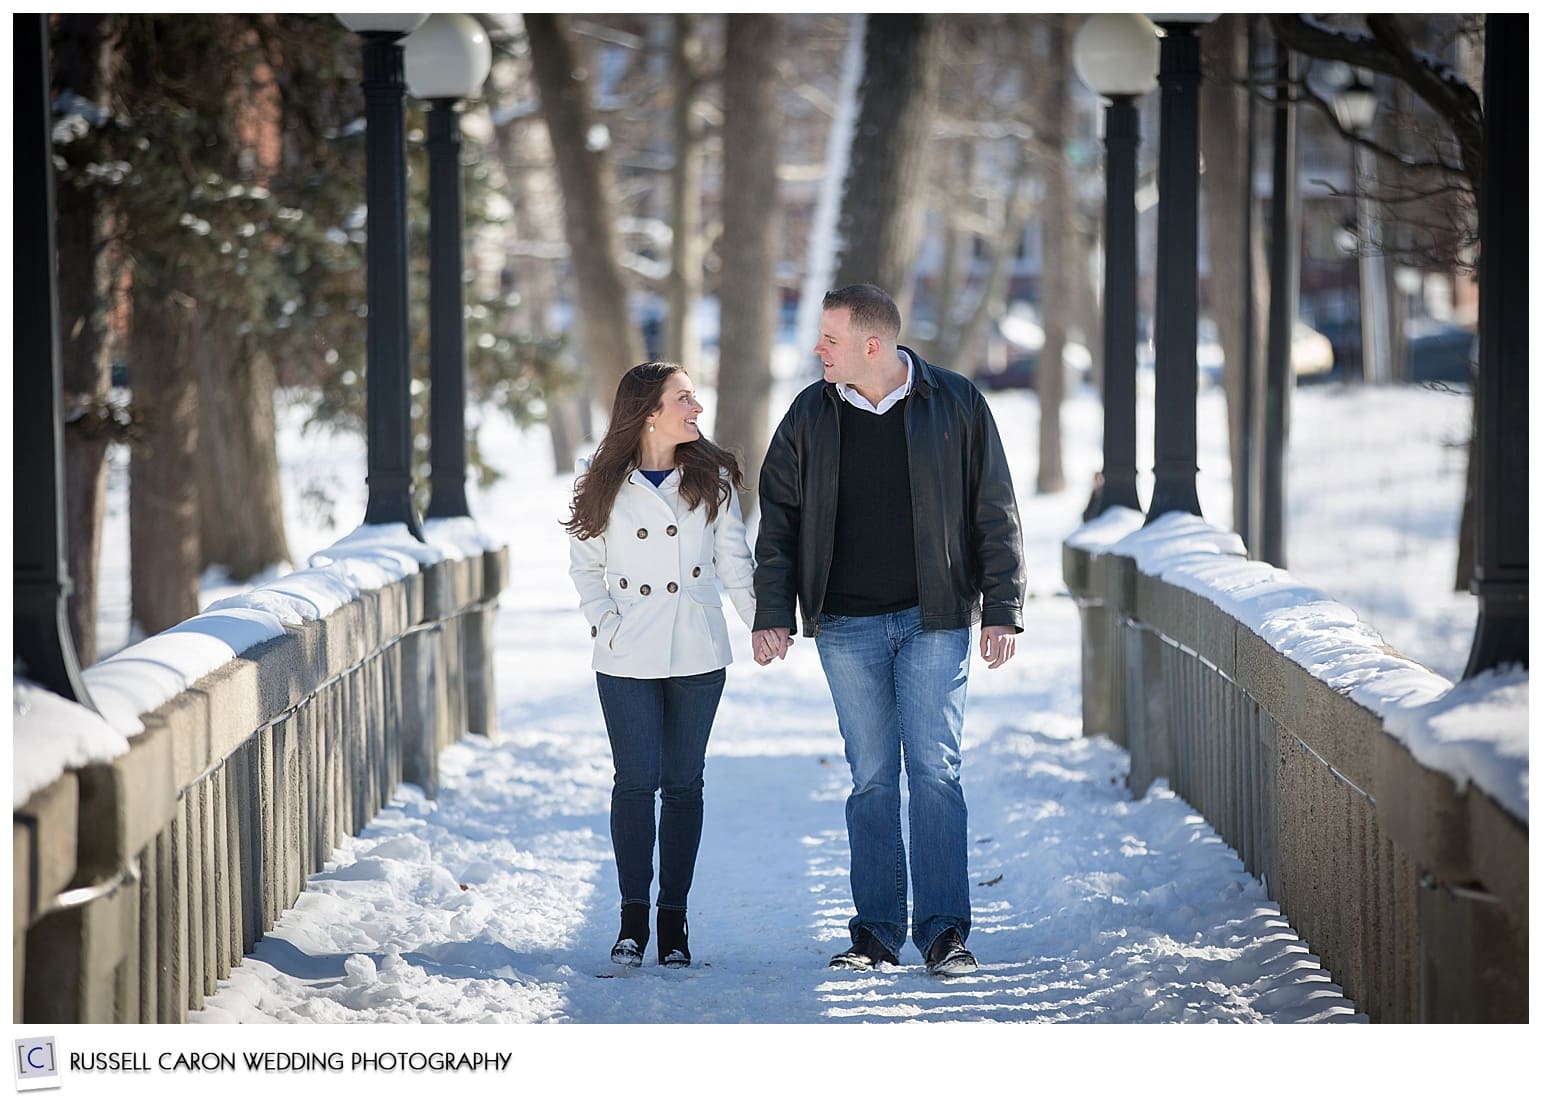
<point x="139" y="883"/>
<point x="1411" y="886"/>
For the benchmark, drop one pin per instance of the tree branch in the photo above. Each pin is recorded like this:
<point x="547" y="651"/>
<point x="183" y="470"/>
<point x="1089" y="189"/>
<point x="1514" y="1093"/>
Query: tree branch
<point x="1439" y="87"/>
<point x="1386" y="50"/>
<point x="1308" y="96"/>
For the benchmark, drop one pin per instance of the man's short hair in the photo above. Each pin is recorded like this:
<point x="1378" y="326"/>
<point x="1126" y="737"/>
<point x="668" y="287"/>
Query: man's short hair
<point x="872" y="311"/>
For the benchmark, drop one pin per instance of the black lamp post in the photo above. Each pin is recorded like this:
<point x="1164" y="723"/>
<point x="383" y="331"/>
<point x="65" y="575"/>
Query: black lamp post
<point x="388" y="417"/>
<point x="448" y="58"/>
<point x="1116" y="56"/>
<point x="41" y="580"/>
<point x="1177" y="270"/>
<point x="1502" y="578"/>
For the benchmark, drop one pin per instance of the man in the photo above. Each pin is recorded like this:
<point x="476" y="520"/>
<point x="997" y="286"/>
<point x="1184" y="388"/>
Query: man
<point x="887" y="511"/>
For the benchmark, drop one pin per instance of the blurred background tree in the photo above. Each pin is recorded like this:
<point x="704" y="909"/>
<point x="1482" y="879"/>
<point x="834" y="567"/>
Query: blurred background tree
<point x="651" y="186"/>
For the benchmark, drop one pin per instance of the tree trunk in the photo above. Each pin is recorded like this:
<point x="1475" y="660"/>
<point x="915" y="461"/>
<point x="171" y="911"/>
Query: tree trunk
<point x="751" y="150"/>
<point x="960" y="155"/>
<point x="1397" y="244"/>
<point x="82" y="229"/>
<point x="1055" y="301"/>
<point x="880" y="226"/>
<point x="240" y="503"/>
<point x="682" y="341"/>
<point x="1088" y="307"/>
<point x="1223" y="133"/>
<point x="163" y="488"/>
<point x="964" y="350"/>
<point x="823" y="247"/>
<point x="610" y="343"/>
<point x="524" y="152"/>
<point x="240" y="506"/>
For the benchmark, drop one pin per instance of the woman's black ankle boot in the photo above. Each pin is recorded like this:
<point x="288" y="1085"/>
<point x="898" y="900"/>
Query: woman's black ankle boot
<point x="633" y="939"/>
<point x="674" y="949"/>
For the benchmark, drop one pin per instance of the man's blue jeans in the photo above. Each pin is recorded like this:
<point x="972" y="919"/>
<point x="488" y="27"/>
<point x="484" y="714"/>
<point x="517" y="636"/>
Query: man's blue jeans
<point x="899" y="692"/>
<point x="658" y="739"/>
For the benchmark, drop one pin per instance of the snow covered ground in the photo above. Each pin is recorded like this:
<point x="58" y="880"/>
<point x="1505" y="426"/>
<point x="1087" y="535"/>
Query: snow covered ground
<point x="497" y="902"/>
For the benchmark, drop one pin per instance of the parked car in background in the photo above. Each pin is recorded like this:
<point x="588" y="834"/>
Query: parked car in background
<point x="1439" y="351"/>
<point x="1343" y="333"/>
<point x="1434" y="350"/>
<point x="1311" y="353"/>
<point x="1012" y="357"/>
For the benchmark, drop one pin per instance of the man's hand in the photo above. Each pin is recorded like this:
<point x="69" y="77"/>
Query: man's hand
<point x="771" y="644"/>
<point x="998" y="643"/>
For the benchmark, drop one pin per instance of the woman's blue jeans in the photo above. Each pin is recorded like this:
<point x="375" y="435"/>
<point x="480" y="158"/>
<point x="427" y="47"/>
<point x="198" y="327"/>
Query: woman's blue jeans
<point x="658" y="740"/>
<point x="899" y="695"/>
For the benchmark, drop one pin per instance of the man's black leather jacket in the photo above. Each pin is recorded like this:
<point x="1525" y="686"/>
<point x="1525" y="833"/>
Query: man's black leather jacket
<point x="969" y="544"/>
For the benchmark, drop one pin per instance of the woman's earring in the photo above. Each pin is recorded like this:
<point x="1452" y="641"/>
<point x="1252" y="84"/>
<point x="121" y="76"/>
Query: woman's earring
<point x="650" y="428"/>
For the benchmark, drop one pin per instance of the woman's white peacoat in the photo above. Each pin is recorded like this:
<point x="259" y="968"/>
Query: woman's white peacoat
<point x="649" y="586"/>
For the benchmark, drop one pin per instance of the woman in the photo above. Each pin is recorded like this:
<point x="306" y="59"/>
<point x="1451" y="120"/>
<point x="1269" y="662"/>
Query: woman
<point x="655" y="524"/>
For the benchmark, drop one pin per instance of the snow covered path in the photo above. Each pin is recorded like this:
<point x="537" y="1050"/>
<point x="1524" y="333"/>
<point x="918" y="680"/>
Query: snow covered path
<point x="497" y="901"/>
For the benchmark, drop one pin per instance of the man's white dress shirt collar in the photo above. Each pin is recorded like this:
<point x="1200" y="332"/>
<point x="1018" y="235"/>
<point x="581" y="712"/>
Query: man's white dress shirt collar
<point x="850" y="395"/>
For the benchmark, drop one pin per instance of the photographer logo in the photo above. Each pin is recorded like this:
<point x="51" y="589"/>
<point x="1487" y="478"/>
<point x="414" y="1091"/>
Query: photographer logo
<point x="37" y="1066"/>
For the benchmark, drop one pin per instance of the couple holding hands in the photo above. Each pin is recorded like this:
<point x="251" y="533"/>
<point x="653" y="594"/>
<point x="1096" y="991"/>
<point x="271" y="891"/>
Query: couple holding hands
<point x="887" y="515"/>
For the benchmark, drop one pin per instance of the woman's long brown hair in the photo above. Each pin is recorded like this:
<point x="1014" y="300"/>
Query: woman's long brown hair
<point x="701" y="463"/>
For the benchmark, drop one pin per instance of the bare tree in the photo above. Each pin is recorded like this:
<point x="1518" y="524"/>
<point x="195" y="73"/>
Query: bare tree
<point x="1429" y="170"/>
<point x="82" y="63"/>
<point x="994" y="98"/>
<point x="611" y="344"/>
<point x="524" y="152"/>
<point x="958" y="159"/>
<point x="1223" y="131"/>
<point x="681" y="341"/>
<point x="881" y="211"/>
<point x="821" y="245"/>
<point x="960" y="340"/>
<point x="1049" y="379"/>
<point x="751" y="151"/>
<point x="1428" y="173"/>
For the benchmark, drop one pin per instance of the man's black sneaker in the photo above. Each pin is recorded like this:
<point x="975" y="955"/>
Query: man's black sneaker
<point x="866" y="952"/>
<point x="948" y="957"/>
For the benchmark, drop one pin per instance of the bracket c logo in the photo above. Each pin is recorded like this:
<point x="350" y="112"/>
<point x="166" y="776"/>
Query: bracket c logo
<point x="37" y="1065"/>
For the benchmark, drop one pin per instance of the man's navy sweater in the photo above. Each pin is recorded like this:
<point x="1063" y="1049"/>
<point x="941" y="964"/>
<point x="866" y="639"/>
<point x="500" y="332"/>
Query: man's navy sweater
<point x="873" y="570"/>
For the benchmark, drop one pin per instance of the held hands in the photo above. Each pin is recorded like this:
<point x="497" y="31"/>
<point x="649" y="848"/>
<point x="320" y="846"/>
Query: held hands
<point x="771" y="644"/>
<point x="998" y="643"/>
